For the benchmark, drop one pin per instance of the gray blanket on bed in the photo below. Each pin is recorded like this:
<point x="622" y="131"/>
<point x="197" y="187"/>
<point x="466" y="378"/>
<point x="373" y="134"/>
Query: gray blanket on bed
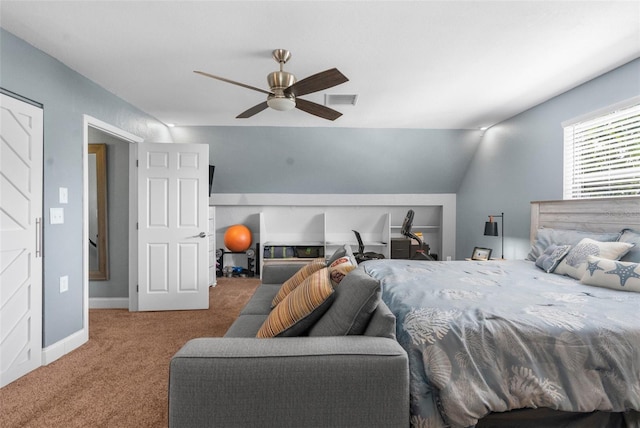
<point x="494" y="336"/>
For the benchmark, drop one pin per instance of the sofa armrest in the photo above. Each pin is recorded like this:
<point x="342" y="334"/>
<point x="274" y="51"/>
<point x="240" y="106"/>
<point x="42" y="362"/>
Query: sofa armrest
<point x="346" y="381"/>
<point x="277" y="273"/>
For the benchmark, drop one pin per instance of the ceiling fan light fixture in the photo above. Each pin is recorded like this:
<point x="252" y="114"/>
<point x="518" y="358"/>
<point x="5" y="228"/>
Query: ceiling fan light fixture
<point x="281" y="103"/>
<point x="286" y="90"/>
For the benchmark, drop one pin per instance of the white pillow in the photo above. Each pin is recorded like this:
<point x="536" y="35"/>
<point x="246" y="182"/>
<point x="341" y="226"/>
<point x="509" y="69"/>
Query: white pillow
<point x="575" y="263"/>
<point x="612" y="274"/>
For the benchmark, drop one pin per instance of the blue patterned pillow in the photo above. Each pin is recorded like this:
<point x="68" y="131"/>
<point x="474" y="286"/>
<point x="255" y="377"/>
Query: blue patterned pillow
<point x="617" y="275"/>
<point x="575" y="263"/>
<point x="552" y="257"/>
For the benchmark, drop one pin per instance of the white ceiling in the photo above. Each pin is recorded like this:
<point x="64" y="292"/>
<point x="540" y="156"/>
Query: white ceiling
<point x="413" y="64"/>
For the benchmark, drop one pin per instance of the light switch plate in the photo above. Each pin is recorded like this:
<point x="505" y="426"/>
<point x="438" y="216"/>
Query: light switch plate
<point x="64" y="284"/>
<point x="63" y="196"/>
<point x="56" y="215"/>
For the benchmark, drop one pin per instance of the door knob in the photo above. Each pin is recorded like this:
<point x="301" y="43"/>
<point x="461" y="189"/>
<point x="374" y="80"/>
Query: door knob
<point x="200" y="235"/>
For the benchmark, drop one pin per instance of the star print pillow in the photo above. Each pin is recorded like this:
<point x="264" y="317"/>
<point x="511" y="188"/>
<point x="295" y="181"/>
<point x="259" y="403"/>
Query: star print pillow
<point x="575" y="263"/>
<point x="612" y="274"/>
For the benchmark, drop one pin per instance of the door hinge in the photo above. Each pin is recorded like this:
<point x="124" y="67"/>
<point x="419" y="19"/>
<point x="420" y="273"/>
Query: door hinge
<point x="137" y="163"/>
<point x="137" y="226"/>
<point x="137" y="288"/>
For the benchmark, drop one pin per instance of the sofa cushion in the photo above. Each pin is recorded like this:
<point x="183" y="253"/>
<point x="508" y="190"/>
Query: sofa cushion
<point x="246" y="325"/>
<point x="260" y="302"/>
<point x="289" y="285"/>
<point x="279" y="272"/>
<point x="382" y="322"/>
<point x="300" y="309"/>
<point x="357" y="296"/>
<point x="575" y="263"/>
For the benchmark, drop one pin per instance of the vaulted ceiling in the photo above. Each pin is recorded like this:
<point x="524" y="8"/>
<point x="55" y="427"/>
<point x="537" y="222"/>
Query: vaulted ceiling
<point x="412" y="64"/>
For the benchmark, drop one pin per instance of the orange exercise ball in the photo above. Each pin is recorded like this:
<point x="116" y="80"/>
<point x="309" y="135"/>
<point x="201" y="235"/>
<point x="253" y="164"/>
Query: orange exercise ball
<point x="237" y="238"/>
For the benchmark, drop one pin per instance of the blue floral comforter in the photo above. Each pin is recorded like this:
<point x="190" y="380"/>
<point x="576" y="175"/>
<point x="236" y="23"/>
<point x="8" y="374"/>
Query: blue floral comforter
<point x="494" y="336"/>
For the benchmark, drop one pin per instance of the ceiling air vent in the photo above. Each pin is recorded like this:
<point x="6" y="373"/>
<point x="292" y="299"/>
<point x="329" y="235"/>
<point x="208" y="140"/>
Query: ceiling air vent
<point x="340" y="100"/>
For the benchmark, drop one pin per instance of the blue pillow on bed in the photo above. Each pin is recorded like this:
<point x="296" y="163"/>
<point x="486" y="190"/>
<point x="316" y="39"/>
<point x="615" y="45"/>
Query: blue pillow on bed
<point x="632" y="237"/>
<point x="552" y="257"/>
<point x="546" y="236"/>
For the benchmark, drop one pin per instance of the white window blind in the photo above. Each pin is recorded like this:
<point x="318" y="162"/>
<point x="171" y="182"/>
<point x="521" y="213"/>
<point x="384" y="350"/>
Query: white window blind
<point x="602" y="156"/>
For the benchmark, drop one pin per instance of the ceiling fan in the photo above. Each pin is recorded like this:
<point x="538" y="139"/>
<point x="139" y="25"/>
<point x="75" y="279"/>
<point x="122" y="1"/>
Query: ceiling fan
<point x="285" y="90"/>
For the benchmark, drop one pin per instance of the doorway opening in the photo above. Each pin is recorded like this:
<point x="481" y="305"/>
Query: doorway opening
<point x="123" y="144"/>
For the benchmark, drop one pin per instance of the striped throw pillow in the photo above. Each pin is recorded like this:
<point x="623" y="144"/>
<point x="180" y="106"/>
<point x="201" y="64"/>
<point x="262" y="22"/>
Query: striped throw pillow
<point x="301" y="308"/>
<point x="289" y="285"/>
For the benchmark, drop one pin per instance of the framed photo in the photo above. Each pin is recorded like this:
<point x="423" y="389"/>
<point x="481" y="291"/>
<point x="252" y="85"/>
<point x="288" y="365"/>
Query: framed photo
<point x="480" y="253"/>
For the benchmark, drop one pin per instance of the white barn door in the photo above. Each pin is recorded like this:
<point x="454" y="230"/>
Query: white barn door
<point x="173" y="198"/>
<point x="21" y="142"/>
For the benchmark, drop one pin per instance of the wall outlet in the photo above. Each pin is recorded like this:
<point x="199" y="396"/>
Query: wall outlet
<point x="56" y="215"/>
<point x="64" y="284"/>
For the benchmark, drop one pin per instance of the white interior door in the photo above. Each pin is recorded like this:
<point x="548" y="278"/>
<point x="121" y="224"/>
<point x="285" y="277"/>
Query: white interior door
<point x="173" y="182"/>
<point x="20" y="238"/>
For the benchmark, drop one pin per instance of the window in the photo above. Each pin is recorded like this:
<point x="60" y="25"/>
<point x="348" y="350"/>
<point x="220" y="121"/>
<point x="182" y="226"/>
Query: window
<point x="602" y="154"/>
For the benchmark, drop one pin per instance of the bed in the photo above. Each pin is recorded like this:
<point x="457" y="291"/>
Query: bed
<point x="488" y="341"/>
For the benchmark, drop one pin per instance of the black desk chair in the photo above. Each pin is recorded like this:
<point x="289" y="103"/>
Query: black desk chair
<point x="407" y="225"/>
<point x="361" y="255"/>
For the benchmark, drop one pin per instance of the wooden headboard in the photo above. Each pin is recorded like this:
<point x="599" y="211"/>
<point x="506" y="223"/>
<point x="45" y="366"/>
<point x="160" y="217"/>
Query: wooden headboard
<point x="596" y="215"/>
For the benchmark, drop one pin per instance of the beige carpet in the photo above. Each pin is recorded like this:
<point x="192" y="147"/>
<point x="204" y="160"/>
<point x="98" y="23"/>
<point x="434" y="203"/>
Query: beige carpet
<point x="119" y="377"/>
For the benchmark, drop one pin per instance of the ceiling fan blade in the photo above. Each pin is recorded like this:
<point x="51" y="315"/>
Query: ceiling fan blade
<point x="232" y="82"/>
<point x="252" y="111"/>
<point x="317" y="82"/>
<point x="317" y="109"/>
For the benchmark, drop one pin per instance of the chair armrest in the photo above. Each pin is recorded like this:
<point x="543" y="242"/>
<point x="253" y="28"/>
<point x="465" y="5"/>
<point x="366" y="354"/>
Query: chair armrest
<point x="346" y="381"/>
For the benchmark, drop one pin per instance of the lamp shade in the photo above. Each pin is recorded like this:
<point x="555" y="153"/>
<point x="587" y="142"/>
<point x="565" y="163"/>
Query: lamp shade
<point x="491" y="228"/>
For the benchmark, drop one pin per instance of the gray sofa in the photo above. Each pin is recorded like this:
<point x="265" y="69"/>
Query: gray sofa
<point x="309" y="381"/>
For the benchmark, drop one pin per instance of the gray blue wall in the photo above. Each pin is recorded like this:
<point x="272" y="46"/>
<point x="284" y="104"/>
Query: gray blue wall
<point x="66" y="96"/>
<point x="334" y="160"/>
<point x="520" y="160"/>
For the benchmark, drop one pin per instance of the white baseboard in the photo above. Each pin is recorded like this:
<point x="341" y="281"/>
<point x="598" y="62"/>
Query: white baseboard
<point x="108" y="303"/>
<point x="64" y="346"/>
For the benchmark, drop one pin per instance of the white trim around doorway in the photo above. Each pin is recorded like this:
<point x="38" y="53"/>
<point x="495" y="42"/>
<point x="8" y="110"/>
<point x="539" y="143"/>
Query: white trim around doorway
<point x="92" y="122"/>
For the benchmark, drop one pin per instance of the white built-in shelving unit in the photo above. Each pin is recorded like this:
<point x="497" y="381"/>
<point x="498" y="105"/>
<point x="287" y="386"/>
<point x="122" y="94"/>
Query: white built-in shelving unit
<point x="329" y="220"/>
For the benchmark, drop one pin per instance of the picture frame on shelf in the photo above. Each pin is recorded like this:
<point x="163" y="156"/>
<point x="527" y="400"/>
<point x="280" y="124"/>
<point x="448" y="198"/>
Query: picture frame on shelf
<point x="481" y="253"/>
